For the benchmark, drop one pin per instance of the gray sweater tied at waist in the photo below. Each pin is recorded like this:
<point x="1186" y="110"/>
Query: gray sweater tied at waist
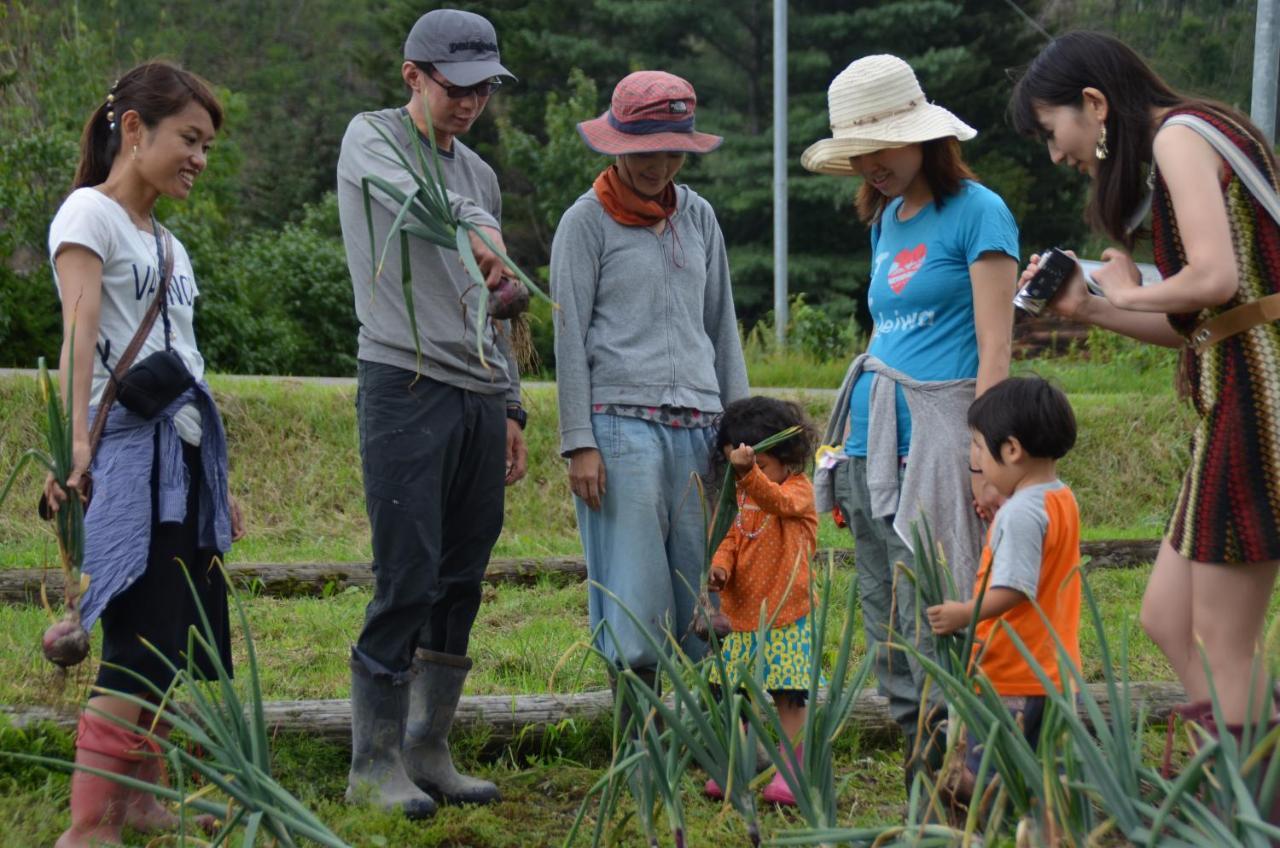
<point x="935" y="484"/>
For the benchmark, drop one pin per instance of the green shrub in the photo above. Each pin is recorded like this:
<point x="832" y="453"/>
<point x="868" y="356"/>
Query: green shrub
<point x="282" y="303"/>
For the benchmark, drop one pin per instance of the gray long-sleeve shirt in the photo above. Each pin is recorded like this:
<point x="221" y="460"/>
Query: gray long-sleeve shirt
<point x="445" y="297"/>
<point x="647" y="319"/>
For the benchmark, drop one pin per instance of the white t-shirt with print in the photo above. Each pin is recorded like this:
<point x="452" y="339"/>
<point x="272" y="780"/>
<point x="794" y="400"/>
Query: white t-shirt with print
<point x="130" y="279"/>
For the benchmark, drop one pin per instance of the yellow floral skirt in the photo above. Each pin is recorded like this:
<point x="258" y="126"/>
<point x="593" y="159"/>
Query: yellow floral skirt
<point x="786" y="656"/>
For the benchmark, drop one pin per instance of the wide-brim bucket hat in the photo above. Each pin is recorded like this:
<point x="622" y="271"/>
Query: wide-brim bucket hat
<point x="873" y="104"/>
<point x="651" y="112"/>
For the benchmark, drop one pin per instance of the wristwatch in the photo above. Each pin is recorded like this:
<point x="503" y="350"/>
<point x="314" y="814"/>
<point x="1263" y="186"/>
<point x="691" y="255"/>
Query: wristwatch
<point x="517" y="413"/>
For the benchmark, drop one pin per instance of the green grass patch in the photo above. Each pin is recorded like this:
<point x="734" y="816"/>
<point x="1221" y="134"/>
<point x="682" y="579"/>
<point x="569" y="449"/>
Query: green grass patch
<point x="526" y="640"/>
<point x="295" y="467"/>
<point x="541" y="795"/>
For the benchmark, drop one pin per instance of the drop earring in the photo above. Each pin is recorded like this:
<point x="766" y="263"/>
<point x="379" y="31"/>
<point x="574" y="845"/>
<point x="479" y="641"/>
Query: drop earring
<point x="135" y="152"/>
<point x="1100" y="149"/>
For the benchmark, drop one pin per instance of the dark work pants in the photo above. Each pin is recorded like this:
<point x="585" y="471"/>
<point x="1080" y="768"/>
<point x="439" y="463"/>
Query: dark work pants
<point x="434" y="461"/>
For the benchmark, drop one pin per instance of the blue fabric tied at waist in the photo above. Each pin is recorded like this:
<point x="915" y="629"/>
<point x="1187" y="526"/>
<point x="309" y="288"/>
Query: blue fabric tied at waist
<point x="118" y="524"/>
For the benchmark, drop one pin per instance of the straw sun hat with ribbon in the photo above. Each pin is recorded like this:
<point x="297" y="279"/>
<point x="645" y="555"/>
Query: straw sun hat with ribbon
<point x="651" y="112"/>
<point x="873" y="104"/>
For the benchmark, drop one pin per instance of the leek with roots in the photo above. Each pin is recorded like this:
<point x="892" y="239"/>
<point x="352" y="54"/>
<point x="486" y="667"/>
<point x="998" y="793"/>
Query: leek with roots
<point x="65" y="643"/>
<point x="426" y="213"/>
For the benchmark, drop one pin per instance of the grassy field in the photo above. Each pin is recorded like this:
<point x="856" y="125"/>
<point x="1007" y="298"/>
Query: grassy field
<point x="525" y="641"/>
<point x="296" y="469"/>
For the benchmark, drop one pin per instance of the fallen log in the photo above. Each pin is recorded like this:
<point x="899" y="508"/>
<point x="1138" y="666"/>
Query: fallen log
<point x="508" y="718"/>
<point x="319" y="579"/>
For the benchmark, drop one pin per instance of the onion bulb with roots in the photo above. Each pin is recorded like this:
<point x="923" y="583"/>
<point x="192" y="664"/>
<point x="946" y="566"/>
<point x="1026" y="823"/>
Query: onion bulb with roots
<point x="66" y="643"/>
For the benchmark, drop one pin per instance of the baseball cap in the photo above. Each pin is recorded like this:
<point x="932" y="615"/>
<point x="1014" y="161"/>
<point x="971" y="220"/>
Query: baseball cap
<point x="462" y="46"/>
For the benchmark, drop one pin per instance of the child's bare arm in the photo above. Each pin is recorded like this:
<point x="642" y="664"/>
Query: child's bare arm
<point x="951" y="616"/>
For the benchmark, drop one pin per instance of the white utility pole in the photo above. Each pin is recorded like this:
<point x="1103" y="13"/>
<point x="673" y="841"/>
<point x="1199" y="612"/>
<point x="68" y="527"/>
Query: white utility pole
<point x="1266" y="67"/>
<point x="780" y="170"/>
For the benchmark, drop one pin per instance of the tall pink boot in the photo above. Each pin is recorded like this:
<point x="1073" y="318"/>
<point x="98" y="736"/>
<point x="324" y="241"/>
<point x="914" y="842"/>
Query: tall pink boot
<point x="99" y="804"/>
<point x="778" y="791"/>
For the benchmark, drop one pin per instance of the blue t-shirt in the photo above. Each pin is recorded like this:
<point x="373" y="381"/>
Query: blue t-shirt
<point x="921" y="297"/>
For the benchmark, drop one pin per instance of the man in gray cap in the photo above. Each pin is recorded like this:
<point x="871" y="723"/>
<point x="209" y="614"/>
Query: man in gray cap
<point x="439" y="437"/>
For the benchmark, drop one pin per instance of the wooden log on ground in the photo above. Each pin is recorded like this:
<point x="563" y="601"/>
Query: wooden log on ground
<point x="505" y="718"/>
<point x="318" y="579"/>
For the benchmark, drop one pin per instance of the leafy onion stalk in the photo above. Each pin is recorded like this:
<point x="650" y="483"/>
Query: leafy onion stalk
<point x="65" y="643"/>
<point x="426" y="213"/>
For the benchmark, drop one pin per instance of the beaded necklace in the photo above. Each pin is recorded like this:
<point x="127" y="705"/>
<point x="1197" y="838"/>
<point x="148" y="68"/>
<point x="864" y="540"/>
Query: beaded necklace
<point x="737" y="519"/>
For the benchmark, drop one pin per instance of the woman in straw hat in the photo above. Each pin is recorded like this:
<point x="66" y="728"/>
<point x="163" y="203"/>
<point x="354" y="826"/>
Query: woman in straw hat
<point x="944" y="261"/>
<point x="647" y="356"/>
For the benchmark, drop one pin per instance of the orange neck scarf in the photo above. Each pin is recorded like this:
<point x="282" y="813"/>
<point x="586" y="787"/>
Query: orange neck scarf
<point x="628" y="208"/>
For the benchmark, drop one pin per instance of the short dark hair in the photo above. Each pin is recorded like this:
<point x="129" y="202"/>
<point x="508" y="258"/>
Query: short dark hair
<point x="1029" y="409"/>
<point x="944" y="170"/>
<point x="752" y="420"/>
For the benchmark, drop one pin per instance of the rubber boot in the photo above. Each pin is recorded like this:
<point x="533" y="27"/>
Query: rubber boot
<point x="433" y="700"/>
<point x="98" y="804"/>
<point x="779" y="791"/>
<point x="379" y="704"/>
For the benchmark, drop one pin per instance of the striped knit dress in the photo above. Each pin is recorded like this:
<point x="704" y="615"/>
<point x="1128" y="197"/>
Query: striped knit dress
<point x="1228" y="510"/>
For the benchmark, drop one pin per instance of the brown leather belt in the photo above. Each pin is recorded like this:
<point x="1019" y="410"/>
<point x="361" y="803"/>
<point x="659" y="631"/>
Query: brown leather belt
<point x="1234" y="321"/>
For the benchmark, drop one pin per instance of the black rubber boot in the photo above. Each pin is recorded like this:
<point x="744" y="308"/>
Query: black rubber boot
<point x="433" y="699"/>
<point x="377" y="777"/>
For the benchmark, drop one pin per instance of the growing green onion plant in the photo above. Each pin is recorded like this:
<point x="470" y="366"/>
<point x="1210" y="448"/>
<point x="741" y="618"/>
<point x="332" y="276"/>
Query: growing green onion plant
<point x="1088" y="780"/>
<point x="426" y="213"/>
<point x="657" y="738"/>
<point x="230" y="729"/>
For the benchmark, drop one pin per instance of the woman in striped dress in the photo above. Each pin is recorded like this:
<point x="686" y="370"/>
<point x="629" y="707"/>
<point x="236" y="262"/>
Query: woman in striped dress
<point x="1101" y="110"/>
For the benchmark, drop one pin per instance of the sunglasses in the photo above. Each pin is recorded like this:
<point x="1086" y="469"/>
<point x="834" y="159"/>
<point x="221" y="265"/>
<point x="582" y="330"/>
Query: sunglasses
<point x="461" y="92"/>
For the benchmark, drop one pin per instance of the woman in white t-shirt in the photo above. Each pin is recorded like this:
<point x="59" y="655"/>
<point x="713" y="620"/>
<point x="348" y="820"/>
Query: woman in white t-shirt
<point x="160" y="482"/>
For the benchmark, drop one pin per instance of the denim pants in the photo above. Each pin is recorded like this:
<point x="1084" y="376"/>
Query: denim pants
<point x="434" y="462"/>
<point x="887" y="598"/>
<point x="647" y="543"/>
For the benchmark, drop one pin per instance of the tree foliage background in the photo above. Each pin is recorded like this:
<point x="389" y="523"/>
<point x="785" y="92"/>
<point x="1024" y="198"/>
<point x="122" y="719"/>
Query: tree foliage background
<point x="262" y="224"/>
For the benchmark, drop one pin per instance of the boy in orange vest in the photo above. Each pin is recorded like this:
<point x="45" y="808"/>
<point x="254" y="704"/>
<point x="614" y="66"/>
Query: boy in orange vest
<point x="1021" y="427"/>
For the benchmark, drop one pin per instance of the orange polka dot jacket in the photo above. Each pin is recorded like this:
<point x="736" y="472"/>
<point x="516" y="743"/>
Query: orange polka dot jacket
<point x="775" y="532"/>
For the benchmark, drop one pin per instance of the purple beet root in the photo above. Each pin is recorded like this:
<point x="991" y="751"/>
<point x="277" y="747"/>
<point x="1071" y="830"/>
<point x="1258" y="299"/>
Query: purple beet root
<point x="66" y="643"/>
<point x="509" y="299"/>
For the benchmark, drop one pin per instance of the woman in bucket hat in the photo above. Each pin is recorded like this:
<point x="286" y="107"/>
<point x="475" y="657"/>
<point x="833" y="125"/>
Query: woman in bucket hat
<point x="944" y="262"/>
<point x="647" y="356"/>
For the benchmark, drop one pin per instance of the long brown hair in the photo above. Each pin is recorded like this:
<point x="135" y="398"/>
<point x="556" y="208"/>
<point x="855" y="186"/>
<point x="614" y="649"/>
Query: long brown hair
<point x="944" y="170"/>
<point x="1079" y="60"/>
<point x="155" y="90"/>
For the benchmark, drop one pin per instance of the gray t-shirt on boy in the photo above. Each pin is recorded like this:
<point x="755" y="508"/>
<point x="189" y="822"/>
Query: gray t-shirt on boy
<point x="1017" y="539"/>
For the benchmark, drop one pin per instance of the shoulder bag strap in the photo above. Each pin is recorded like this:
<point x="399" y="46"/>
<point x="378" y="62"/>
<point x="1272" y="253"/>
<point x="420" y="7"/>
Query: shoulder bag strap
<point x="1249" y="173"/>
<point x="1266" y="309"/>
<point x="164" y="249"/>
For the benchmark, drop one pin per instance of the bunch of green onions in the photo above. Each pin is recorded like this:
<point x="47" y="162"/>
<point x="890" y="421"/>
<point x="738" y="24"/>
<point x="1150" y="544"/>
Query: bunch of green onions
<point x="426" y="213"/>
